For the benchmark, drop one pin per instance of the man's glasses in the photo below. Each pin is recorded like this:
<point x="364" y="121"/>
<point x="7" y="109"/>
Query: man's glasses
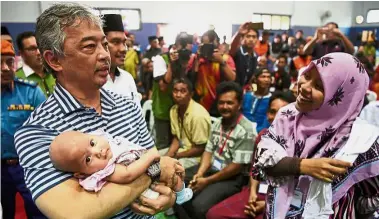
<point x="31" y="49"/>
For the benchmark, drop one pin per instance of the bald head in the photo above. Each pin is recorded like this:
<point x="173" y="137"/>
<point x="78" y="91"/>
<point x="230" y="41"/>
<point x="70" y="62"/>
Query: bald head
<point x="64" y="151"/>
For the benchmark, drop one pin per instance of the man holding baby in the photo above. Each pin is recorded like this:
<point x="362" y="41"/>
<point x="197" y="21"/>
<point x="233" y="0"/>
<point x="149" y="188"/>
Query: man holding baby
<point x="75" y="50"/>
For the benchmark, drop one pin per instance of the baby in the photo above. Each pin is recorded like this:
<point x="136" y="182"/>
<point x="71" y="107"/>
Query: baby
<point x="94" y="158"/>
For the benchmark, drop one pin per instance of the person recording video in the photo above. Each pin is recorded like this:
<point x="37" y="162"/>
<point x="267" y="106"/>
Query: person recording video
<point x="211" y="67"/>
<point x="326" y="40"/>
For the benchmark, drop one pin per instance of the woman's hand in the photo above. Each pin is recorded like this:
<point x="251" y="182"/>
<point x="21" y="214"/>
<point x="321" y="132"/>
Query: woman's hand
<point x="324" y="169"/>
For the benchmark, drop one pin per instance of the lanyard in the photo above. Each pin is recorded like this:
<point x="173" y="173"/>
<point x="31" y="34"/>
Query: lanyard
<point x="228" y="135"/>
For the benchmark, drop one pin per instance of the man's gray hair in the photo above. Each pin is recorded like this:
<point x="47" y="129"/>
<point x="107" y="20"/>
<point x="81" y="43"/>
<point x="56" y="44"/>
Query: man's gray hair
<point x="51" y="23"/>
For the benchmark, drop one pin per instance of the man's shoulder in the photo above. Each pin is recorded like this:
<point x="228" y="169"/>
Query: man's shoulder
<point x="126" y="74"/>
<point x="26" y="83"/>
<point x="246" y="124"/>
<point x="199" y="111"/>
<point x="20" y="73"/>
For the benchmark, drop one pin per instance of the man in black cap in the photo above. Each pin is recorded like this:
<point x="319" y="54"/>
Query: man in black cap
<point x="154" y="49"/>
<point x="119" y="81"/>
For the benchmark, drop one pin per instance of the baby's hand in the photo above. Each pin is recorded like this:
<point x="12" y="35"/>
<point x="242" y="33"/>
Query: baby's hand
<point x="169" y="170"/>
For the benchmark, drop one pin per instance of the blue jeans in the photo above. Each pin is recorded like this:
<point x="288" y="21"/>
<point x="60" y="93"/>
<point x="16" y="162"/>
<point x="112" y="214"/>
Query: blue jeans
<point x="12" y="181"/>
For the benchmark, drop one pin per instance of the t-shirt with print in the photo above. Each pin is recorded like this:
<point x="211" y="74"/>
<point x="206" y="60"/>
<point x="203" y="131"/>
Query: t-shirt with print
<point x="239" y="146"/>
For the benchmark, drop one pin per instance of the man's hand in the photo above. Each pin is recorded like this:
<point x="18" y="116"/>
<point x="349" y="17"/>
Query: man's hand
<point x="194" y="179"/>
<point x="200" y="184"/>
<point x="217" y="56"/>
<point x="174" y="55"/>
<point x="243" y="29"/>
<point x="170" y="167"/>
<point x="337" y="32"/>
<point x="151" y="207"/>
<point x="318" y="33"/>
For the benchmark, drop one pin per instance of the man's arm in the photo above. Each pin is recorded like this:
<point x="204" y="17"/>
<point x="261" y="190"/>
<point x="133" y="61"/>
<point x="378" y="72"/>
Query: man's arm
<point x="236" y="40"/>
<point x="166" y="79"/>
<point x="127" y="174"/>
<point x="308" y="48"/>
<point x="162" y="73"/>
<point x="349" y="46"/>
<point x="227" y="172"/>
<point x="205" y="163"/>
<point x="230" y="74"/>
<point x="70" y="200"/>
<point x="194" y="151"/>
<point x="174" y="147"/>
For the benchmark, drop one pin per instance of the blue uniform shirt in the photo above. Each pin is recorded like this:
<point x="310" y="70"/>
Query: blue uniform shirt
<point x="16" y="107"/>
<point x="255" y="108"/>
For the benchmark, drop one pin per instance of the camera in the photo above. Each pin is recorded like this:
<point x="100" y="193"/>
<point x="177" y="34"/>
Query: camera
<point x="183" y="39"/>
<point x="206" y="51"/>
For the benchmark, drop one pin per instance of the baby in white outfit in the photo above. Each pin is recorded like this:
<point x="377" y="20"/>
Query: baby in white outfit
<point x="94" y="159"/>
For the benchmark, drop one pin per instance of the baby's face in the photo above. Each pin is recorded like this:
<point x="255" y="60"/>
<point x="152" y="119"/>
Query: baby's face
<point x="93" y="153"/>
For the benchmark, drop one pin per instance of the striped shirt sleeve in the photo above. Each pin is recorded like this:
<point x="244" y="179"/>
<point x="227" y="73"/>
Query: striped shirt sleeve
<point x="145" y="138"/>
<point x="32" y="143"/>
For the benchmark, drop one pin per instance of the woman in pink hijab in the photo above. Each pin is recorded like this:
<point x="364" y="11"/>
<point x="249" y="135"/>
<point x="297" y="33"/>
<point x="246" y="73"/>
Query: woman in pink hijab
<point x="305" y="136"/>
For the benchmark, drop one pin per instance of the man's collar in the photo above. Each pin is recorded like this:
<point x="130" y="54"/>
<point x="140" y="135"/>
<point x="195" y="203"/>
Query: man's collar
<point x="189" y="107"/>
<point x="69" y="103"/>
<point x="244" y="51"/>
<point x="117" y="72"/>
<point x="27" y="70"/>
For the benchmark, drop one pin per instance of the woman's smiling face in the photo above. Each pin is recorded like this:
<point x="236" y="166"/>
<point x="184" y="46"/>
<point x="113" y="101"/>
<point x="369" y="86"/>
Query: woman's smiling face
<point x="310" y="91"/>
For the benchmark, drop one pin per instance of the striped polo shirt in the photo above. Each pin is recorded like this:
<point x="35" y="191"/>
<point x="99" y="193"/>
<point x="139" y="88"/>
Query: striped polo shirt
<point x="62" y="112"/>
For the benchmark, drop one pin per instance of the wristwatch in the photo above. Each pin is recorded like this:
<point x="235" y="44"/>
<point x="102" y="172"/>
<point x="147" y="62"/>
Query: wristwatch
<point x="154" y="171"/>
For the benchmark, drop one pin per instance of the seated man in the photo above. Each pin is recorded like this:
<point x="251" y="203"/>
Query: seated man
<point x="190" y="125"/>
<point x="282" y="78"/>
<point x="255" y="103"/>
<point x="298" y="62"/>
<point x="250" y="202"/>
<point x="224" y="165"/>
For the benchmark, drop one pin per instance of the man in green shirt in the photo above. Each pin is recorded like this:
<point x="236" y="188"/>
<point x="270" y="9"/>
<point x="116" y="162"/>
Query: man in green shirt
<point x="162" y="102"/>
<point x="32" y="68"/>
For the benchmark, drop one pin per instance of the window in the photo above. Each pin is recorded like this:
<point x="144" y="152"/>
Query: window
<point x="273" y="22"/>
<point x="130" y="17"/>
<point x="373" y="16"/>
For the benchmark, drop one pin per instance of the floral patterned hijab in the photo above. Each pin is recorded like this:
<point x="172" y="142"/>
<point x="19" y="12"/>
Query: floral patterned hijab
<point x="319" y="133"/>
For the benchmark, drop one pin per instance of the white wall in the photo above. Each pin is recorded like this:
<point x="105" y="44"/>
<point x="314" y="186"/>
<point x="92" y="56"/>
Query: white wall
<point x="361" y="8"/>
<point x="22" y="12"/>
<point x="192" y="13"/>
<point x="308" y="13"/>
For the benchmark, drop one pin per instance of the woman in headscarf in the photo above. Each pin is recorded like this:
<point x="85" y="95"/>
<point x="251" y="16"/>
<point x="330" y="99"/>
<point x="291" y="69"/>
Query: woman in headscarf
<point x="302" y="142"/>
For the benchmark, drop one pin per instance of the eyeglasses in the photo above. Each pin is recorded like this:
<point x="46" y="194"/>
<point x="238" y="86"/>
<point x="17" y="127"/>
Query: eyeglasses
<point x="31" y="49"/>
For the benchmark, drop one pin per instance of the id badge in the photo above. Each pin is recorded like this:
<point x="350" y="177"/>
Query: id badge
<point x="263" y="187"/>
<point x="217" y="164"/>
<point x="297" y="199"/>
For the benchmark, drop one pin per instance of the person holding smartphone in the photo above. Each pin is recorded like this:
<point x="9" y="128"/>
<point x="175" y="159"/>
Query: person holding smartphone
<point x="326" y="40"/>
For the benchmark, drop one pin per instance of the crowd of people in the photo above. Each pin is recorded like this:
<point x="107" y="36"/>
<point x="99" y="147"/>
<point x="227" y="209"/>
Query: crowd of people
<point x="254" y="129"/>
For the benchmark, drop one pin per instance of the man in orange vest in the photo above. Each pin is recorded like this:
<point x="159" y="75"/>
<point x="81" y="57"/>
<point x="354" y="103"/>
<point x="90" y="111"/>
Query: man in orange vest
<point x="298" y="62"/>
<point x="262" y="47"/>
